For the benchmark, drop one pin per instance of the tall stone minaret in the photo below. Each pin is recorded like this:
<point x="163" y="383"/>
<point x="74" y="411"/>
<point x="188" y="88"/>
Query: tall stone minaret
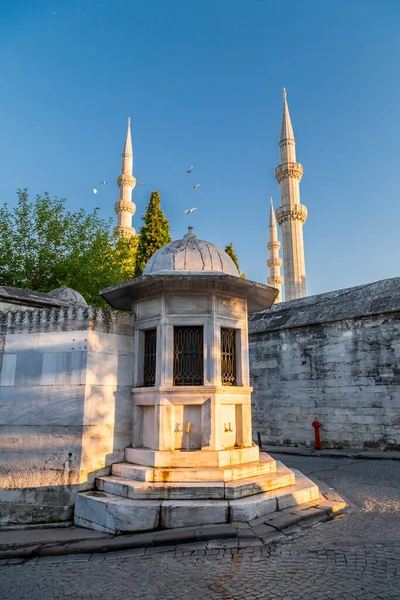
<point x="291" y="215"/>
<point x="125" y="208"/>
<point x="274" y="262"/>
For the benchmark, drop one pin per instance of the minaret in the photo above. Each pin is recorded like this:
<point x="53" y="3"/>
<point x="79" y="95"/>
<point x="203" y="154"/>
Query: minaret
<point x="291" y="215"/>
<point x="125" y="208"/>
<point x="274" y="262"/>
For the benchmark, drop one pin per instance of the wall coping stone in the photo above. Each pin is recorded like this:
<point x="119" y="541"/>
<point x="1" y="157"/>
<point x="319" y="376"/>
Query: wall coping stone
<point x="69" y="318"/>
<point x="380" y="297"/>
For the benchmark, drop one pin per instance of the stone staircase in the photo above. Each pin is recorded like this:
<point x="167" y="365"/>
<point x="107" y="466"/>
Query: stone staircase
<point x="141" y="498"/>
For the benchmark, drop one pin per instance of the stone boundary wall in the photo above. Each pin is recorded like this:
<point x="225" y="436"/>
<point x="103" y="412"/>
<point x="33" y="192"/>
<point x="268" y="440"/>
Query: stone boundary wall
<point x="334" y="357"/>
<point x="65" y="406"/>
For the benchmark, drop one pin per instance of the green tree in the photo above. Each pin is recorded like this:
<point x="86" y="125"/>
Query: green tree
<point x="229" y="249"/>
<point x="43" y="246"/>
<point x="153" y="235"/>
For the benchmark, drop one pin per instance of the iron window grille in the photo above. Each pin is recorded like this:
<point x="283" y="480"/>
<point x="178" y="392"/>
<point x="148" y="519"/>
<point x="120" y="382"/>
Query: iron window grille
<point x="228" y="356"/>
<point x="149" y="359"/>
<point x="188" y="356"/>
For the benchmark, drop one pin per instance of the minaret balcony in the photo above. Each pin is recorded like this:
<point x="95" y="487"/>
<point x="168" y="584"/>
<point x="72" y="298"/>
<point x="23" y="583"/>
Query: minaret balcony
<point x="275" y="281"/>
<point x="125" y="206"/>
<point x="126" y="181"/>
<point x="290" y="169"/>
<point x="296" y="212"/>
<point x="273" y="245"/>
<point x="274" y="262"/>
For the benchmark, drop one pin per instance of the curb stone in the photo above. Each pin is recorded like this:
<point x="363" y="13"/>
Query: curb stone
<point x="269" y="529"/>
<point x="349" y="453"/>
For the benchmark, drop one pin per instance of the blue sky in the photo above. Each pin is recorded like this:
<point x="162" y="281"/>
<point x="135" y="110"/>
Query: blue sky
<point x="202" y="81"/>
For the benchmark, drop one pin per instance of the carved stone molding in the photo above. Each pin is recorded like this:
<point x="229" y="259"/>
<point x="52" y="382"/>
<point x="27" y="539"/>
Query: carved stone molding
<point x="274" y="262"/>
<point x="126" y="181"/>
<point x="273" y="245"/>
<point x="298" y="212"/>
<point x="67" y="318"/>
<point x="125" y="206"/>
<point x="287" y="170"/>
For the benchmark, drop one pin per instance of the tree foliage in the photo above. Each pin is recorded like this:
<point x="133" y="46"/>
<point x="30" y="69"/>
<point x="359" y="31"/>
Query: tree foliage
<point x="230" y="250"/>
<point x="44" y="246"/>
<point x="153" y="235"/>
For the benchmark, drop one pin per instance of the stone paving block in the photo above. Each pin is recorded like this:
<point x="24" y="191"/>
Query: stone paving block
<point x="272" y="537"/>
<point x="227" y="543"/>
<point x="160" y="549"/>
<point x="249" y="542"/>
<point x="191" y="546"/>
<point x="307" y="513"/>
<point x="281" y="520"/>
<point x="292" y="529"/>
<point x="331" y="507"/>
<point x="263" y="529"/>
<point x="175" y="535"/>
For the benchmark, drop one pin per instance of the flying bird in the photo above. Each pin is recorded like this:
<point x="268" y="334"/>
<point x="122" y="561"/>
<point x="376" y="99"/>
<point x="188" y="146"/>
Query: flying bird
<point x="103" y="182"/>
<point x="94" y="191"/>
<point x="189" y="170"/>
<point x="190" y="210"/>
<point x="196" y="186"/>
<point x="139" y="183"/>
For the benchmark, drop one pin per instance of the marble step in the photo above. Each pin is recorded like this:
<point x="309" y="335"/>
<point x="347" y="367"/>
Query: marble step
<point x="196" y="490"/>
<point x="110" y="513"/>
<point x="246" y="509"/>
<point x="265" y="465"/>
<point x="193" y="458"/>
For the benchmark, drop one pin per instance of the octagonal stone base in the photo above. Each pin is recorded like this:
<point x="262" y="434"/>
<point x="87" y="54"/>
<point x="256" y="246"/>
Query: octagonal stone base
<point x="137" y="498"/>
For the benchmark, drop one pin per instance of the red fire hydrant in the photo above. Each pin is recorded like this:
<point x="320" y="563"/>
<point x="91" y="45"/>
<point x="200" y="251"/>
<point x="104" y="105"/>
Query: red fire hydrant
<point x="317" y="425"/>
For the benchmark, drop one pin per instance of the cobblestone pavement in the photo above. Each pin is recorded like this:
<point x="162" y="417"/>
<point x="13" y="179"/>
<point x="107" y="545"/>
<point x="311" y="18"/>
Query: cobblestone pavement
<point x="354" y="557"/>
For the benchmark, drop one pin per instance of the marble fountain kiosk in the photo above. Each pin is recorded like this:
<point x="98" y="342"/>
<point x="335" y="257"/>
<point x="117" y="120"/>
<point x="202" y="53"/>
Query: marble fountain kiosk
<point x="192" y="459"/>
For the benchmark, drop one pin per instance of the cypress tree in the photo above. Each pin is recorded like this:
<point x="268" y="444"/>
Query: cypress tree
<point x="229" y="249"/>
<point x="231" y="252"/>
<point x="153" y="235"/>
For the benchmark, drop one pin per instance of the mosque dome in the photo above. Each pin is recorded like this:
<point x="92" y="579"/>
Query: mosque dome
<point x="68" y="295"/>
<point x="190" y="254"/>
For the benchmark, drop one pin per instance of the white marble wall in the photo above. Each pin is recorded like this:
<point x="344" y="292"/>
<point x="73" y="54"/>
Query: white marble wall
<point x="65" y="415"/>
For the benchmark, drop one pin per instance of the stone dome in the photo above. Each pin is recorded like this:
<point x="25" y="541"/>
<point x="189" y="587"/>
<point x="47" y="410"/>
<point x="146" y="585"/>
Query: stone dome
<point x="190" y="254"/>
<point x="68" y="295"/>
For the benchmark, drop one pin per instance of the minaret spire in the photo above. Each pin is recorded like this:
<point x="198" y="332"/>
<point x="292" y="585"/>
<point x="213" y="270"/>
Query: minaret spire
<point x="286" y="125"/>
<point x="274" y="262"/>
<point x="124" y="207"/>
<point x="291" y="215"/>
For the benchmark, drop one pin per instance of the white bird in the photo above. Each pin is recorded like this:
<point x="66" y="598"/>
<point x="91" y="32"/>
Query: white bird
<point x="103" y="182"/>
<point x="94" y="191"/>
<point x="196" y="186"/>
<point x="139" y="183"/>
<point x="189" y="170"/>
<point x="190" y="210"/>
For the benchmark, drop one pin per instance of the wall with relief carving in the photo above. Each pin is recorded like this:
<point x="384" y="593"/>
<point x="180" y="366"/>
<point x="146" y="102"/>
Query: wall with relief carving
<point x="65" y="406"/>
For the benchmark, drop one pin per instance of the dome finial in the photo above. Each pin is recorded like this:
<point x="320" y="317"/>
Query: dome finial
<point x="284" y="92"/>
<point x="190" y="233"/>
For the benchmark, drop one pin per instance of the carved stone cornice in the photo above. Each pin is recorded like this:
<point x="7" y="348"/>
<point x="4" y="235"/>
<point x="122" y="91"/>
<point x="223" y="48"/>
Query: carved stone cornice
<point x="125" y="206"/>
<point x="126" y="181"/>
<point x="291" y="169"/>
<point x="273" y="245"/>
<point x="297" y="212"/>
<point x="274" y="262"/>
